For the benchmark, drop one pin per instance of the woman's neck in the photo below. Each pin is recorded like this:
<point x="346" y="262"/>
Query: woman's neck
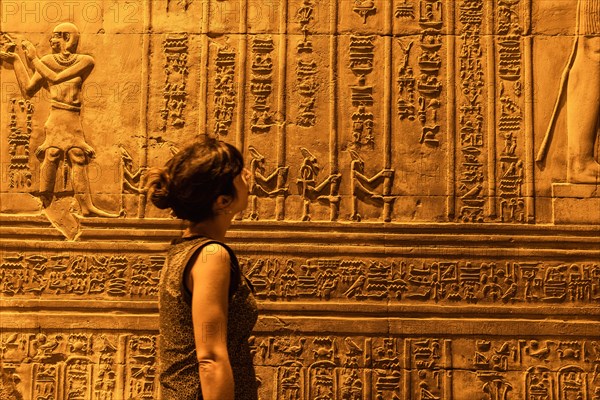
<point x="215" y="228"/>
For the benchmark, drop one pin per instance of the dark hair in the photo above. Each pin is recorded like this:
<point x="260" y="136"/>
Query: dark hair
<point x="192" y="180"/>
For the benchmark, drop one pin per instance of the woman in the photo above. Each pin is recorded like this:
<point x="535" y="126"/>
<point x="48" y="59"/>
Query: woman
<point x="207" y="310"/>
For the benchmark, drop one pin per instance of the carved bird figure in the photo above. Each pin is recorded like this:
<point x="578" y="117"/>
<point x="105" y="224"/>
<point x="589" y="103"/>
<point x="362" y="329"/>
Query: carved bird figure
<point x="353" y="348"/>
<point x="357" y="285"/>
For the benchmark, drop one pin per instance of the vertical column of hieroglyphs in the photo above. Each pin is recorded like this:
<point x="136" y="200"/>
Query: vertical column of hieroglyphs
<point x="224" y="78"/>
<point x="261" y="84"/>
<point x="510" y="121"/>
<point x="492" y="364"/>
<point x="471" y="120"/>
<point x="406" y="103"/>
<point x="224" y="90"/>
<point x="262" y="67"/>
<point x="177" y="61"/>
<point x="421" y="107"/>
<point x="428" y="362"/>
<point x="376" y="188"/>
<point x="141" y="372"/>
<point x="429" y="85"/>
<point x="368" y="133"/>
<point x="362" y="53"/>
<point x="19" y="139"/>
<point x="306" y="68"/>
<point x="306" y="88"/>
<point x="267" y="133"/>
<point x="315" y="122"/>
<point x="175" y="50"/>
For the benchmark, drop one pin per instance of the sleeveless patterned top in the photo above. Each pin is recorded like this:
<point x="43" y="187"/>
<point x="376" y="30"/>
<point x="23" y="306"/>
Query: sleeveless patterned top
<point x="179" y="377"/>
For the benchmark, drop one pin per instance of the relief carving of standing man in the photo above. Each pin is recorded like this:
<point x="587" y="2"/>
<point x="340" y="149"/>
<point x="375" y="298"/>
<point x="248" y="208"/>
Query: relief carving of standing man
<point x="582" y="80"/>
<point x="62" y="73"/>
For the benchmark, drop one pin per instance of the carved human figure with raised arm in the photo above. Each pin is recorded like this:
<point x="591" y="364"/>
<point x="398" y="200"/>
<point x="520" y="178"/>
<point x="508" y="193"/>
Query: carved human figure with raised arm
<point x="62" y="73"/>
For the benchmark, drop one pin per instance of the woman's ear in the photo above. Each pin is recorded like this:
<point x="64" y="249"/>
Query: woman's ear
<point x="222" y="203"/>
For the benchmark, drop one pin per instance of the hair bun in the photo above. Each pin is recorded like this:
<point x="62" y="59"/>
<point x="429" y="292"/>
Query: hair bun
<point x="158" y="188"/>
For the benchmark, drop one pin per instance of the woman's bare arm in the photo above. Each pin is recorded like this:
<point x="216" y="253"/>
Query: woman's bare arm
<point x="209" y="283"/>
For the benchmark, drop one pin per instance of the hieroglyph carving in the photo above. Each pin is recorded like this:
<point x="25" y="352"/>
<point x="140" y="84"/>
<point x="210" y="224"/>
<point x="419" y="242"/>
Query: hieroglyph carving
<point x="225" y="96"/>
<point x="261" y="185"/>
<point x="471" y="118"/>
<point x="326" y="367"/>
<point x="363" y="188"/>
<point x="34" y="275"/>
<point x="432" y="359"/>
<point x="322" y="379"/>
<point x="429" y="86"/>
<point x="577" y="377"/>
<point x="10" y="387"/>
<point x="361" y="58"/>
<point x="436" y="281"/>
<point x="19" y="169"/>
<point x="64" y="153"/>
<point x="77" y="365"/>
<point x="175" y="48"/>
<point x="364" y="8"/>
<point x="406" y="83"/>
<point x="132" y="180"/>
<point x="310" y="190"/>
<point x="362" y="53"/>
<point x="511" y="172"/>
<point x="261" y="84"/>
<point x="306" y="69"/>
<point x="492" y="364"/>
<point x="142" y="372"/>
<point x="112" y="366"/>
<point x="405" y="10"/>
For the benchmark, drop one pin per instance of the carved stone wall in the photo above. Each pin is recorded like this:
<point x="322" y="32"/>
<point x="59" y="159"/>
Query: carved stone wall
<point x="424" y="220"/>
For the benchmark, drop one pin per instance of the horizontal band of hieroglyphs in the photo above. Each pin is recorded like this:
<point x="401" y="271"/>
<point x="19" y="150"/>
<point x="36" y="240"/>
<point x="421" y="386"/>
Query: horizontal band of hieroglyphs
<point x="405" y="280"/>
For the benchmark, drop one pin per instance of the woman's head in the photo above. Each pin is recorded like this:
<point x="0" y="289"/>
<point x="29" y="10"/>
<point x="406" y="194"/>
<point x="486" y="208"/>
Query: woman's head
<point x="199" y="182"/>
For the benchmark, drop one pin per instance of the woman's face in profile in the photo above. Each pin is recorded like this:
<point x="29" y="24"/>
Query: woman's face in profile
<point x="240" y="183"/>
